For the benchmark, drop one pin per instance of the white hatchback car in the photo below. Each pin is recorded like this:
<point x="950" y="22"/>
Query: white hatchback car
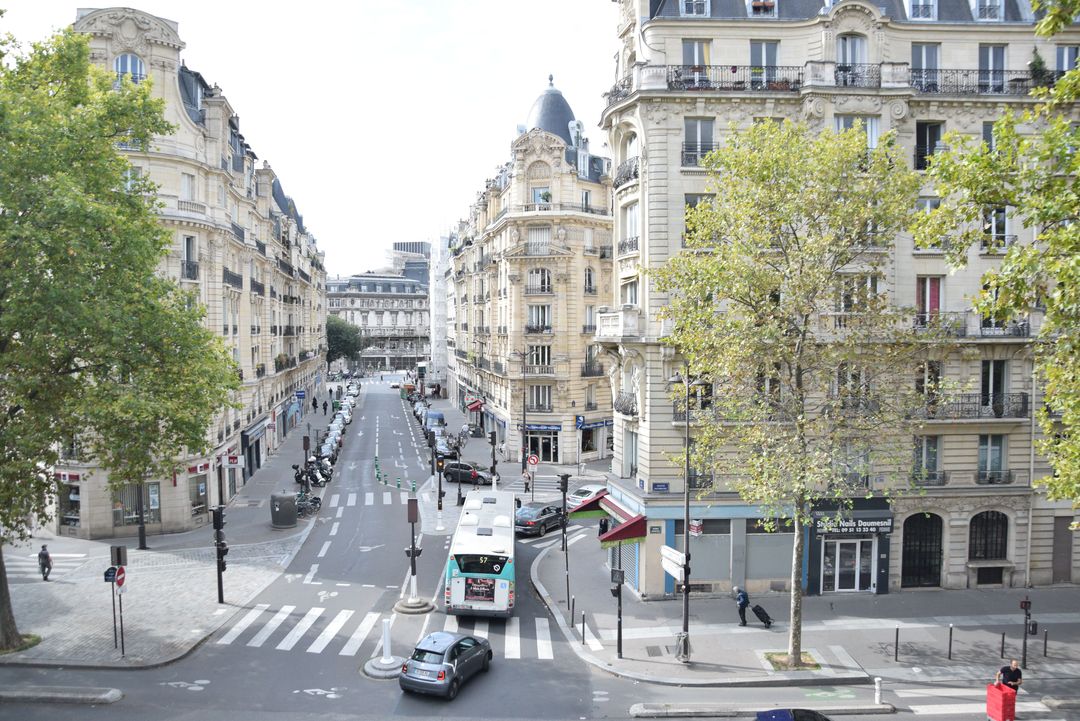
<point x="586" y="493"/>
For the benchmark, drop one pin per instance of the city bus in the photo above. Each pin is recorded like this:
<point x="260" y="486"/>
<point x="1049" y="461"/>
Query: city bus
<point x="480" y="571"/>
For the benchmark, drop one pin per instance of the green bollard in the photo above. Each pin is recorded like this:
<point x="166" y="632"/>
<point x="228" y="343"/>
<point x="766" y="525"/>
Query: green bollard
<point x="414" y="486"/>
<point x="399" y="482"/>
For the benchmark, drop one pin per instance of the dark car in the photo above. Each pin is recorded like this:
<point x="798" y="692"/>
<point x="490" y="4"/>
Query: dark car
<point x="536" y="519"/>
<point x="791" y="714"/>
<point x="442" y="661"/>
<point x="444" y="448"/>
<point x="465" y="472"/>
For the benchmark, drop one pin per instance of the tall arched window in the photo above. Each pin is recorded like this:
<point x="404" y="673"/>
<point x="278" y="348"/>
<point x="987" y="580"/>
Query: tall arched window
<point x="129" y="64"/>
<point x="539" y="281"/>
<point x="988" y="539"/>
<point x="590" y="281"/>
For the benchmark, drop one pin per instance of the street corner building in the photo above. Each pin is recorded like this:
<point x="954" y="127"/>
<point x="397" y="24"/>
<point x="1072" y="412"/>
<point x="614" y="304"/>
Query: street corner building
<point x="524" y="274"/>
<point x="688" y="69"/>
<point x="240" y="244"/>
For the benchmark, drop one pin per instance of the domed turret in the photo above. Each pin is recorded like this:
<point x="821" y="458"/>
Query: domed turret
<point x="552" y="113"/>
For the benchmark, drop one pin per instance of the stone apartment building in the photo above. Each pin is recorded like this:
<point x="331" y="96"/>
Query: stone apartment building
<point x="689" y="69"/>
<point x="241" y="246"/>
<point x="392" y="314"/>
<point x="528" y="269"/>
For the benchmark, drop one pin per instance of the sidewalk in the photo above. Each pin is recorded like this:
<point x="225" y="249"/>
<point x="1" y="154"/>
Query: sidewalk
<point x="852" y="637"/>
<point x="175" y="579"/>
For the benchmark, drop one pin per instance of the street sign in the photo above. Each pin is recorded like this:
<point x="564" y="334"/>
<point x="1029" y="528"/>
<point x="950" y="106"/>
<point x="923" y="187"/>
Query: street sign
<point x="121" y="579"/>
<point x="696" y="527"/>
<point x="301" y="394"/>
<point x="579" y="421"/>
<point x="534" y="460"/>
<point x="618" y="575"/>
<point x="673" y="569"/>
<point x="110" y="574"/>
<point x="673" y="555"/>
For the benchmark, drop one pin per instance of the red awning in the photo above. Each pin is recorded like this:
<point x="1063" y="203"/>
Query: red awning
<point x="475" y="405"/>
<point x="617" y="511"/>
<point x="630" y="531"/>
<point x="590" y="508"/>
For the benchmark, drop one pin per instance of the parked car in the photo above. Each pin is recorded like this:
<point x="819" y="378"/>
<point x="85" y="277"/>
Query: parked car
<point x="586" y="493"/>
<point x="465" y="472"/>
<point x="442" y="661"/>
<point x="395" y="384"/>
<point x="536" y="519"/>
<point x="791" y="714"/>
<point x="444" y="448"/>
<point x="418" y="409"/>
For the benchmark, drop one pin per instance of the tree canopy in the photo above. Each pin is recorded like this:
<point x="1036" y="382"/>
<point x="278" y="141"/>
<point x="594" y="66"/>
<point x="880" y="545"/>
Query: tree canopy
<point x="1030" y="168"/>
<point x="343" y="339"/>
<point x="94" y="343"/>
<point x="778" y="303"/>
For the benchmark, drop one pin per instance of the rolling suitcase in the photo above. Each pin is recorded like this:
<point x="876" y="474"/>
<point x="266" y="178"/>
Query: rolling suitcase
<point x="762" y="615"/>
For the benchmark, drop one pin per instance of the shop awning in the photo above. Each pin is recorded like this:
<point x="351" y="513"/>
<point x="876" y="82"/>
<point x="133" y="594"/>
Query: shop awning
<point x="629" y="531"/>
<point x="590" y="508"/>
<point x="615" y="510"/>
<point x="475" y="405"/>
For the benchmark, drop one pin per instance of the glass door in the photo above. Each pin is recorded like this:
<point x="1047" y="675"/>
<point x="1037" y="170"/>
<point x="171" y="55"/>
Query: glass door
<point x="847" y="566"/>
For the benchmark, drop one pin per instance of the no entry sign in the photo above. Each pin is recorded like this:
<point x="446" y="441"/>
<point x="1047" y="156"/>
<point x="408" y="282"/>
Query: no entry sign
<point x="121" y="579"/>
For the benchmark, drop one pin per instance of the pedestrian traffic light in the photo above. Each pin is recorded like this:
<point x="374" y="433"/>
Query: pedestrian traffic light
<point x="219" y="537"/>
<point x="410" y="551"/>
<point x="440" y="464"/>
<point x="219" y="517"/>
<point x="564" y="482"/>
<point x="491" y="437"/>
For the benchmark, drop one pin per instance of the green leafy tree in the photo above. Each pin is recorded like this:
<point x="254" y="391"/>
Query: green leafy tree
<point x="93" y="343"/>
<point x="1032" y="169"/>
<point x="343" y="340"/>
<point x="778" y="303"/>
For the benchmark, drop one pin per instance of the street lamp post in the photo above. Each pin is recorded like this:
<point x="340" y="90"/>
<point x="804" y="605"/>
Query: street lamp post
<point x="684" y="651"/>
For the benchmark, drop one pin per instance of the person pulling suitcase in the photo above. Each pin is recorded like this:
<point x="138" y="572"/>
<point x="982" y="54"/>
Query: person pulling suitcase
<point x="742" y="599"/>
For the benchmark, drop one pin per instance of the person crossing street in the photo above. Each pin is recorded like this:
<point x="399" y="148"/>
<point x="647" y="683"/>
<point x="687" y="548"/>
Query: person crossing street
<point x="44" y="562"/>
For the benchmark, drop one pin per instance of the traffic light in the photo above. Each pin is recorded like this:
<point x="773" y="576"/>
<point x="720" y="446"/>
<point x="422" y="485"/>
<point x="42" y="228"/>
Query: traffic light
<point x="440" y="464"/>
<point x="219" y="517"/>
<point x="222" y="551"/>
<point x="409" y="552"/>
<point x="491" y="437"/>
<point x="219" y="537"/>
<point x="564" y="481"/>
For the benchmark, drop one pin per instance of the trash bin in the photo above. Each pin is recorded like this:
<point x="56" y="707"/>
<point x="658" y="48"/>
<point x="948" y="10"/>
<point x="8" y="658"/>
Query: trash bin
<point x="283" y="510"/>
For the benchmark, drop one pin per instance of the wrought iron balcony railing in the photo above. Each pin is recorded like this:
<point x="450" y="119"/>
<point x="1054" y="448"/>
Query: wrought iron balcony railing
<point x="256" y="287"/>
<point x="539" y="370"/>
<point x="735" y="78"/>
<point x="189" y="270"/>
<point x="533" y="328"/>
<point x="620" y="90"/>
<point x="997" y="243"/>
<point x="538" y="407"/>
<point x="962" y="406"/>
<point x="857" y="75"/>
<point x="694" y="153"/>
<point x="592" y="370"/>
<point x="588" y="329"/>
<point x="628" y="170"/>
<point x="923" y="477"/>
<point x="629" y="245"/>
<point x="994" y="478"/>
<point x="538" y="289"/>
<point x="626" y="403"/>
<point x="977" y="82"/>
<point x="234" y="279"/>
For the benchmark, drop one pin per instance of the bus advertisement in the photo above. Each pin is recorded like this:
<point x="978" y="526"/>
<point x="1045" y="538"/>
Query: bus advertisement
<point x="480" y="571"/>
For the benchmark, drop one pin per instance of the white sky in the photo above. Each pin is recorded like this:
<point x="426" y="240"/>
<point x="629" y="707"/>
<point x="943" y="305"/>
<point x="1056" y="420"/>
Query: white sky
<point x="381" y="118"/>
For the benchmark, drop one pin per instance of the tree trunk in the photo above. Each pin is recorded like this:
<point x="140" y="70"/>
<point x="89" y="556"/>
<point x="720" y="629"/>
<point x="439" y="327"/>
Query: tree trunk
<point x="10" y="637"/>
<point x="797" y="552"/>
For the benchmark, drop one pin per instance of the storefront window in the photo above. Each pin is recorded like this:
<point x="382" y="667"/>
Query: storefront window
<point x="198" y="494"/>
<point x="588" y="440"/>
<point x="125" y="505"/>
<point x="70" y="504"/>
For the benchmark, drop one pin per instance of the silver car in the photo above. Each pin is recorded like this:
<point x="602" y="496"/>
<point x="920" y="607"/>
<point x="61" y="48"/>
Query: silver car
<point x="442" y="661"/>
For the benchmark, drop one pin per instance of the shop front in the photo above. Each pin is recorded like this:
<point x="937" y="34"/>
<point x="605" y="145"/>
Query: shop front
<point x="593" y="438"/>
<point x="849" y="548"/>
<point x="251" y="446"/>
<point x="542" y="440"/>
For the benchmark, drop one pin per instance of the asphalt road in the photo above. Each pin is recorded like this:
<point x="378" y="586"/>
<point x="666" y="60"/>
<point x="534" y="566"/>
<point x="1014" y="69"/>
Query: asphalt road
<point x="297" y="651"/>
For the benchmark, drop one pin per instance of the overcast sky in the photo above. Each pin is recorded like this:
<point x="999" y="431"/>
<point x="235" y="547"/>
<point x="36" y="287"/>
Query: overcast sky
<point x="382" y="118"/>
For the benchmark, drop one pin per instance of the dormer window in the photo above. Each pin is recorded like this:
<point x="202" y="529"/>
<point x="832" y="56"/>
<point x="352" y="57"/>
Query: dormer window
<point x="989" y="10"/>
<point x="922" y="10"/>
<point x="763" y="8"/>
<point x="128" y="64"/>
<point x="695" y="8"/>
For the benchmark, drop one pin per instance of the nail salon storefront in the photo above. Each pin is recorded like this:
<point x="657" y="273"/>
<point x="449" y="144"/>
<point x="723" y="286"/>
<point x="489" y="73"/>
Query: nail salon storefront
<point x="849" y="551"/>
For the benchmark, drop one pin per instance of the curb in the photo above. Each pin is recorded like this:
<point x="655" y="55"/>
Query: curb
<point x="1069" y="702"/>
<point x="62" y="694"/>
<point x="690" y="710"/>
<point x="744" y="681"/>
<point x="375" y="668"/>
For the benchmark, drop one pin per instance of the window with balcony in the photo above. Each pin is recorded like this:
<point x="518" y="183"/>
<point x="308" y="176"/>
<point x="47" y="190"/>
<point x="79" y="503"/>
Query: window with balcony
<point x="927" y="137"/>
<point x="868" y="123"/>
<point x="539" y="319"/>
<point x="926" y="468"/>
<point x="694" y="8"/>
<point x="852" y="386"/>
<point x="853" y="464"/>
<point x="763" y="62"/>
<point x="539" y="240"/>
<point x="1066" y="57"/>
<point x="924" y="66"/>
<point x="538" y="281"/>
<point x="187" y="186"/>
<point x="854" y="293"/>
<point x="991" y="68"/>
<point x="538" y="355"/>
<point x="628" y="293"/>
<point x="927" y="299"/>
<point x="697" y="140"/>
<point x="850" y="60"/>
<point x="993" y="383"/>
<point x="991" y="458"/>
<point x="129" y="64"/>
<point x="631" y="218"/>
<point x="988" y="136"/>
<point x="763" y="8"/>
<point x="590" y="319"/>
<point x="990" y="10"/>
<point x="590" y="281"/>
<point x="996" y="237"/>
<point x="539" y="398"/>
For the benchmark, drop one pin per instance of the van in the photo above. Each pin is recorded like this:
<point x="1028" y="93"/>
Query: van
<point x="433" y="419"/>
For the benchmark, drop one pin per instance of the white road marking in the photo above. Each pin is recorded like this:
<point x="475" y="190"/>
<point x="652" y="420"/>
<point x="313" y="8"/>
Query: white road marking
<point x="361" y="632"/>
<point x="591" y="640"/>
<point x="974" y="709"/>
<point x="575" y="539"/>
<point x="369" y="499"/>
<point x="940" y="692"/>
<point x="334" y="500"/>
<point x="543" y="639"/>
<point x="480" y="627"/>
<point x="272" y="625"/>
<point x="329" y="632"/>
<point x="333" y="528"/>
<point x="404" y="498"/>
<point x="512" y="644"/>
<point x="311" y="574"/>
<point x="451" y="625"/>
<point x="324" y="549"/>
<point x="426" y="497"/>
<point x="242" y="624"/>
<point x="387" y="498"/>
<point x="340" y="510"/>
<point x="300" y="629"/>
<point x="343" y="585"/>
<point x="352" y="500"/>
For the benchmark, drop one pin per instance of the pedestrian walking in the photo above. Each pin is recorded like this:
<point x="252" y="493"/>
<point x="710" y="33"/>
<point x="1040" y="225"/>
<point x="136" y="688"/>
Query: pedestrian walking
<point x="742" y="599"/>
<point x="603" y="527"/>
<point x="324" y="408"/>
<point x="1010" y="675"/>
<point x="44" y="562"/>
<point x="525" y="478"/>
<point x="314" y="404"/>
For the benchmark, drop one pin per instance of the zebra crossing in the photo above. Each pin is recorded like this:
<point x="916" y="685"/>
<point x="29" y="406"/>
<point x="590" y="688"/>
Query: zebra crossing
<point x="955" y="700"/>
<point x="347" y="632"/>
<point x="373" y="498"/>
<point x="24" y="569"/>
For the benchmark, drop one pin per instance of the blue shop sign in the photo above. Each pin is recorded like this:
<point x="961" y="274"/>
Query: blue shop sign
<point x="597" y="424"/>
<point x="543" y="427"/>
<point x="301" y="394"/>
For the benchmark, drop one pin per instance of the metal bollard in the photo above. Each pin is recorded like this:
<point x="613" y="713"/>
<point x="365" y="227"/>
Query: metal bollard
<point x="1046" y="639"/>
<point x="572" y="610"/>
<point x="950" y="641"/>
<point x="896" y="646"/>
<point x="877" y="690"/>
<point x="582" y="628"/>
<point x="1003" y="644"/>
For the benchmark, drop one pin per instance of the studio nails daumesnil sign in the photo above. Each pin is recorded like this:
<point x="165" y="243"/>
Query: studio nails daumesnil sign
<point x="873" y="524"/>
